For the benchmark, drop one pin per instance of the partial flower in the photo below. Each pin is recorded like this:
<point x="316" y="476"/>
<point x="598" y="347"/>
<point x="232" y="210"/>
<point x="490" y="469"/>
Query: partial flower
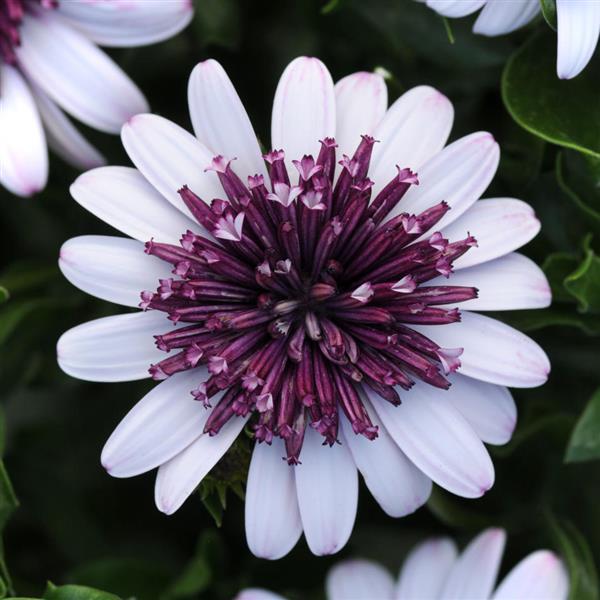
<point x="435" y="570"/>
<point x="311" y="294"/>
<point x="49" y="62"/>
<point x="578" y="25"/>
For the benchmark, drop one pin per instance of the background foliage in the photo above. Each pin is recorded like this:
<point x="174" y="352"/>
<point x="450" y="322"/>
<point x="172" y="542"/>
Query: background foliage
<point x="73" y="524"/>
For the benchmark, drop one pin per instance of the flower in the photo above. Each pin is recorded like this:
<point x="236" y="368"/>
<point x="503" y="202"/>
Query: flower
<point x="578" y="25"/>
<point x="49" y="62"/>
<point x="435" y="570"/>
<point x="297" y="303"/>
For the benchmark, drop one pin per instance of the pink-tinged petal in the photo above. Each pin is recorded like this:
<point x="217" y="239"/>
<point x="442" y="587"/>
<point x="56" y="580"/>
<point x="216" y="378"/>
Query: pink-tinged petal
<point x="179" y="477"/>
<point x="118" y="348"/>
<point x="258" y="594"/>
<point x="438" y="440"/>
<point x="164" y="422"/>
<point x="77" y="75"/>
<point x="111" y="268"/>
<point x="511" y="282"/>
<point x="455" y="8"/>
<point x="359" y="579"/>
<point x="23" y="152"/>
<point x="498" y="18"/>
<point x="169" y="157"/>
<point x="272" y="517"/>
<point x="489" y="409"/>
<point x="122" y="197"/>
<point x="220" y="120"/>
<point x="303" y="108"/>
<point x="63" y="136"/>
<point x="327" y="485"/>
<point x="397" y="485"/>
<point x="540" y="576"/>
<point x="459" y="174"/>
<point x="131" y="23"/>
<point x="578" y="27"/>
<point x="414" y="129"/>
<point x="474" y="573"/>
<point x="361" y="102"/>
<point x="425" y="570"/>
<point x="493" y="352"/>
<point x="499" y="225"/>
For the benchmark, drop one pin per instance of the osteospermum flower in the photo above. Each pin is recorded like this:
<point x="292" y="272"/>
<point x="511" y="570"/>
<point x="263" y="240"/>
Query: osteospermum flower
<point x="578" y="25"/>
<point x="312" y="294"/>
<point x="435" y="570"/>
<point x="49" y="62"/>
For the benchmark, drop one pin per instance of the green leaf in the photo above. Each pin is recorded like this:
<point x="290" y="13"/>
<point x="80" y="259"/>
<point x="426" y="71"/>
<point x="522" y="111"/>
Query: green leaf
<point x="585" y="440"/>
<point x="26" y="275"/>
<point x="578" y="176"/>
<point x="584" y="282"/>
<point x="566" y="113"/>
<point x="76" y="592"/>
<point x="450" y="510"/>
<point x="549" y="12"/>
<point x="125" y="576"/>
<point x="448" y="29"/>
<point x="4" y="295"/>
<point x="533" y="320"/>
<point x="8" y="499"/>
<point x="196" y="577"/>
<point x="558" y="267"/>
<point x="331" y="6"/>
<point x="12" y="315"/>
<point x="583" y="579"/>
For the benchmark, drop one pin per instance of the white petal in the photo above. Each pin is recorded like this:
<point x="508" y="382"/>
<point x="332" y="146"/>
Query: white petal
<point x="500" y="226"/>
<point x="539" y="576"/>
<point x="258" y="594"/>
<point x="179" y="477"/>
<point x="499" y="17"/>
<point x="438" y="440"/>
<point x="414" y="129"/>
<point x="131" y="23"/>
<point x="220" y="120"/>
<point x="63" y="136"/>
<point x="455" y="8"/>
<point x="493" y="351"/>
<point x="164" y="422"/>
<point x="303" y="108"/>
<point x="397" y="485"/>
<point x="578" y="27"/>
<point x="169" y="157"/>
<point x="23" y="152"/>
<point x="76" y="74"/>
<point x="119" y="348"/>
<point x="361" y="102"/>
<point x="511" y="282"/>
<point x="489" y="409"/>
<point x="327" y="485"/>
<point x="121" y="197"/>
<point x="111" y="268"/>
<point x="357" y="580"/>
<point x="474" y="574"/>
<point x="425" y="570"/>
<point x="272" y="517"/>
<point x="459" y="174"/>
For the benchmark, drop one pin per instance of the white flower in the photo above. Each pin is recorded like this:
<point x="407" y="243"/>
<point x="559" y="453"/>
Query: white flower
<point x="578" y="25"/>
<point x="278" y="323"/>
<point x="49" y="62"/>
<point x="435" y="570"/>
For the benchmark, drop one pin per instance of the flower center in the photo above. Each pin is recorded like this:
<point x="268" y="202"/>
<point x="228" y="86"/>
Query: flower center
<point x="306" y="295"/>
<point x="11" y="16"/>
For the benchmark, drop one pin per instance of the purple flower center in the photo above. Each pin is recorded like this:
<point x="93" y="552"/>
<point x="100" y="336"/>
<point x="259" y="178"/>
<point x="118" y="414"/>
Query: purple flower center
<point x="306" y="295"/>
<point x="11" y="16"/>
